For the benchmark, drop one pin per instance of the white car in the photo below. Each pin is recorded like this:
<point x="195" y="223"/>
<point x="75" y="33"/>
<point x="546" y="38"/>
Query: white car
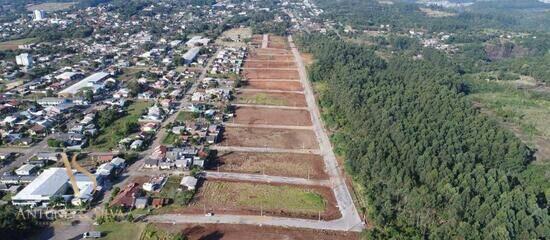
<point x="209" y="214"/>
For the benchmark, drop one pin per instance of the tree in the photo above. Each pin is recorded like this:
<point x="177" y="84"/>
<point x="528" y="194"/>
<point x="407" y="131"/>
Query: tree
<point x="15" y="224"/>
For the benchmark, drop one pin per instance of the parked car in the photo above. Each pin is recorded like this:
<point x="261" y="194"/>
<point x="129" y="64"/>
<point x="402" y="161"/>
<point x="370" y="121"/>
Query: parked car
<point x="92" y="234"/>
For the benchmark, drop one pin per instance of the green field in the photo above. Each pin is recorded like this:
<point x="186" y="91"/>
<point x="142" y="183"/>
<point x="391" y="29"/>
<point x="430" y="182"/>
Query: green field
<point x="186" y="116"/>
<point x="107" y="140"/>
<point x="152" y="232"/>
<point x="7" y="45"/>
<point x="256" y="196"/>
<point x="169" y="139"/>
<point x="121" y="230"/>
<point x="261" y="99"/>
<point x="527" y="109"/>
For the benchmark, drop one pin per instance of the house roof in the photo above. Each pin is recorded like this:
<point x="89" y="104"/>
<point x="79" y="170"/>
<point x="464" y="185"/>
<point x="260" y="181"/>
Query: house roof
<point x="189" y="181"/>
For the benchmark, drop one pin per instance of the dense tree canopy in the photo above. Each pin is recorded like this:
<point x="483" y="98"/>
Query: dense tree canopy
<point x="431" y="165"/>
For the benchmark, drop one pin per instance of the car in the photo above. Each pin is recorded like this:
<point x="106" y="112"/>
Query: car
<point x="91" y="234"/>
<point x="209" y="214"/>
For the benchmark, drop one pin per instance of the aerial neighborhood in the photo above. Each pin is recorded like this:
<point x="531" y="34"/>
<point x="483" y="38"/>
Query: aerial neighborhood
<point x="274" y="119"/>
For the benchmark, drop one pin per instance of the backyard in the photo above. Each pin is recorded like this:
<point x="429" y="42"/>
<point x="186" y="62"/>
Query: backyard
<point x="108" y="138"/>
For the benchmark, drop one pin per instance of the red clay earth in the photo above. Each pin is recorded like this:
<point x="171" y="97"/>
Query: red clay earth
<point x="278" y="99"/>
<point x="272" y="73"/>
<point x="271" y="51"/>
<point x="273" y="164"/>
<point x="272" y="116"/>
<point x="269" y="64"/>
<point x="271" y="57"/>
<point x="272" y="138"/>
<point x="250" y="232"/>
<point x="281" y="85"/>
<point x="277" y="42"/>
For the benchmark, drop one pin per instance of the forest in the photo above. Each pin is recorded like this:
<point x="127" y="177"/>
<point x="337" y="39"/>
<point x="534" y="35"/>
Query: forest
<point x="432" y="166"/>
<point x="509" y="14"/>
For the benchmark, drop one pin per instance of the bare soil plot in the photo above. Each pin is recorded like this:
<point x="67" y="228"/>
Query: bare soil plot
<point x="272" y="57"/>
<point x="271" y="73"/>
<point x="283" y="86"/>
<point x="228" y="197"/>
<point x="234" y="37"/>
<point x="271" y="51"/>
<point x="272" y="138"/>
<point x="277" y="99"/>
<point x="272" y="116"/>
<point x="14" y="44"/>
<point x="277" y="42"/>
<point x="250" y="232"/>
<point x="257" y="38"/>
<point x="275" y="164"/>
<point x="269" y="64"/>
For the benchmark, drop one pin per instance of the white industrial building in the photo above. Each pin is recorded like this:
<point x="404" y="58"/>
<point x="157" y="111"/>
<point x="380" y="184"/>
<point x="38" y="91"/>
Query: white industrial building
<point x="197" y="40"/>
<point x="39" y="15"/>
<point x="94" y="81"/>
<point x="191" y="54"/>
<point x="24" y="59"/>
<point x="51" y="183"/>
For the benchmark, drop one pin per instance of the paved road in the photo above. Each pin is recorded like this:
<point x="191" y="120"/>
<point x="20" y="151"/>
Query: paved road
<point x="265" y="178"/>
<point x="335" y="225"/>
<point x="264" y="150"/>
<point x="350" y="216"/>
<point x="268" y="91"/>
<point x="268" y="126"/>
<point x="269" y="106"/>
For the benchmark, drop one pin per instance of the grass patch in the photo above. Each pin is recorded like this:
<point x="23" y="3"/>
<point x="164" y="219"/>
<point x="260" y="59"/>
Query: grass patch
<point x="121" y="230"/>
<point x="151" y="232"/>
<point x="13" y="44"/>
<point x="531" y="113"/>
<point x="186" y="116"/>
<point x="170" y="139"/>
<point x="262" y="99"/>
<point x="130" y="73"/>
<point x="107" y="140"/>
<point x="268" y="197"/>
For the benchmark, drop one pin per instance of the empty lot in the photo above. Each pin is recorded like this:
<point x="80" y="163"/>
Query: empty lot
<point x="272" y="138"/>
<point x="269" y="64"/>
<point x="272" y="116"/>
<point x="224" y="197"/>
<point x="276" y="99"/>
<point x="280" y="164"/>
<point x="273" y="57"/>
<point x="272" y="73"/>
<point x="235" y="232"/>
<point x="275" y="85"/>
